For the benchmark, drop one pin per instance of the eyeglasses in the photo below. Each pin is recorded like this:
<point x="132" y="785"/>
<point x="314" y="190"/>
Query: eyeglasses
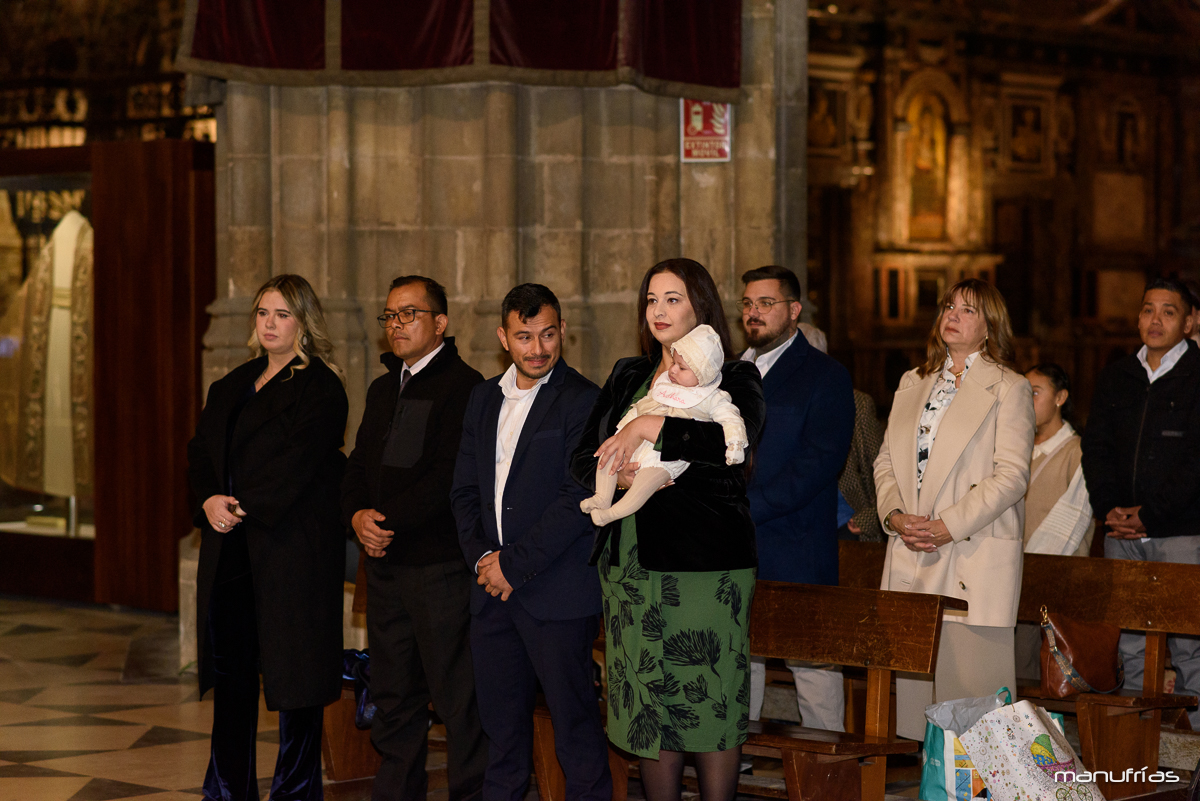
<point x="763" y="306"/>
<point x="402" y="317"/>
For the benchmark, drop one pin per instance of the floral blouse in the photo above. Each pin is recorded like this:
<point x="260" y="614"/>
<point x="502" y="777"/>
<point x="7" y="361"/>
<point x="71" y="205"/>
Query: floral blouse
<point x="939" y="401"/>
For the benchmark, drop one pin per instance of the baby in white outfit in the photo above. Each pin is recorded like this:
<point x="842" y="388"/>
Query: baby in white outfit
<point x="690" y="389"/>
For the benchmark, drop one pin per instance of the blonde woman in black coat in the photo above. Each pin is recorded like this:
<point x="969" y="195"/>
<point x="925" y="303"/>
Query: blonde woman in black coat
<point x="265" y="467"/>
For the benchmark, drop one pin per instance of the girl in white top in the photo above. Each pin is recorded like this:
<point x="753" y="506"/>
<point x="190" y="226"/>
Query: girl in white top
<point x="690" y="388"/>
<point x="1058" y="513"/>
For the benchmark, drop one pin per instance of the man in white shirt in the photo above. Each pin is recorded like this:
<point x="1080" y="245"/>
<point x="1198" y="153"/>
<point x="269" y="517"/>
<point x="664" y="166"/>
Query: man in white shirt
<point x="534" y="608"/>
<point x="1141" y="459"/>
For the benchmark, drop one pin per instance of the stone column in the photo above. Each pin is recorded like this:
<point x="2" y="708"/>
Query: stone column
<point x="500" y="191"/>
<point x="620" y="210"/>
<point x="244" y="235"/>
<point x="957" y="176"/>
<point x="901" y="206"/>
<point x="343" y="314"/>
<point x="550" y="202"/>
<point x="454" y="149"/>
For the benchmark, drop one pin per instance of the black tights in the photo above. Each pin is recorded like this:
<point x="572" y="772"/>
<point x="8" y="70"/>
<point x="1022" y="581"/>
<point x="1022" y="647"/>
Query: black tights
<point x="716" y="770"/>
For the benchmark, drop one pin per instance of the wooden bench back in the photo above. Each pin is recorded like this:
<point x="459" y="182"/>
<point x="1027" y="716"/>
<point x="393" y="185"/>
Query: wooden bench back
<point x="847" y="626"/>
<point x="1140" y="596"/>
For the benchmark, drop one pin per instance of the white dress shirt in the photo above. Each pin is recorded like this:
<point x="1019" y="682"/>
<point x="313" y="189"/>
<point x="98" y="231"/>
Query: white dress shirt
<point x="422" y="362"/>
<point x="1169" y="360"/>
<point x="513" y="412"/>
<point x="768" y="359"/>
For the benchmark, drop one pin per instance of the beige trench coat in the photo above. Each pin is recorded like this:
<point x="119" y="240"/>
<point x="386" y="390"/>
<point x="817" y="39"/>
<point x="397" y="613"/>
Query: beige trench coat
<point x="974" y="482"/>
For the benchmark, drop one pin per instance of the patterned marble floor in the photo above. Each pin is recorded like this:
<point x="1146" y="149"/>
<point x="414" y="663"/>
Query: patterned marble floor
<point x="73" y="728"/>
<point x="93" y="708"/>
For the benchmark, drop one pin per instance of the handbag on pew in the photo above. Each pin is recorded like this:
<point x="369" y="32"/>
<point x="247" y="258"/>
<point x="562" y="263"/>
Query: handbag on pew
<point x="1079" y="657"/>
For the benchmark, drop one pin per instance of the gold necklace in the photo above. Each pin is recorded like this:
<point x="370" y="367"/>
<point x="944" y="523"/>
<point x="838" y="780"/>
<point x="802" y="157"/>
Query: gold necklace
<point x="959" y="374"/>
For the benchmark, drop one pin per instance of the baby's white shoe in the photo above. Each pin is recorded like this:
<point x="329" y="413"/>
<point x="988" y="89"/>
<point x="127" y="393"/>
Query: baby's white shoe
<point x="591" y="504"/>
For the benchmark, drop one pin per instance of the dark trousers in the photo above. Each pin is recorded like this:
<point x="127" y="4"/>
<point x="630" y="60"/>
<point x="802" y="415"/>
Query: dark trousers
<point x="418" y="625"/>
<point x="513" y="652"/>
<point x="232" y="770"/>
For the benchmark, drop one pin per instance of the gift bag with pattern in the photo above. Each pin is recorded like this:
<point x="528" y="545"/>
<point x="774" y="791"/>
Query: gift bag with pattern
<point x="947" y="773"/>
<point x="1021" y="755"/>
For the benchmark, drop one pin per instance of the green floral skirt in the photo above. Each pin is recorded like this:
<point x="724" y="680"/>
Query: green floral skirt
<point x="678" y="648"/>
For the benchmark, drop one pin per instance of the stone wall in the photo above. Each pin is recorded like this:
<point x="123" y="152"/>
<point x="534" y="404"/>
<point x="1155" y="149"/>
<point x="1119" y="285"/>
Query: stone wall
<point x="483" y="186"/>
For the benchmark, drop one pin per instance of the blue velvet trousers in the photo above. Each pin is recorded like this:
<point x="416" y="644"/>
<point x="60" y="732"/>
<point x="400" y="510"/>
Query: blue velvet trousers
<point x="233" y="637"/>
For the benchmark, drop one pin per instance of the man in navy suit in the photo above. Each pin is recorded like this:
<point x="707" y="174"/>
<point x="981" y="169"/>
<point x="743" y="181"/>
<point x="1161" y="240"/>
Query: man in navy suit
<point x="534" y="609"/>
<point x="794" y="488"/>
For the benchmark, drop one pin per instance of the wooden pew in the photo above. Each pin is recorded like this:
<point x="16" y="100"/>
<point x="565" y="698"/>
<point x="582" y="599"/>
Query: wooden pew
<point x="1116" y="731"/>
<point x="879" y="631"/>
<point x="1120" y="730"/>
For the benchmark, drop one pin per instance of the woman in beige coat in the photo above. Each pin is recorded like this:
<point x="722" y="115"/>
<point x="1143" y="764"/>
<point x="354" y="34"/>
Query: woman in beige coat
<point x="951" y="479"/>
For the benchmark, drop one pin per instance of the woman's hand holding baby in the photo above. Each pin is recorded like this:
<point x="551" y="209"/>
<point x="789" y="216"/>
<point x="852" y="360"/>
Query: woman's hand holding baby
<point x="617" y="449"/>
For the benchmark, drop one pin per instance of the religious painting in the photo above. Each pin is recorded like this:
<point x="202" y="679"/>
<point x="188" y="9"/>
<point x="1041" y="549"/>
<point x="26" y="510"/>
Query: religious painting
<point x="1026" y="132"/>
<point x="927" y="167"/>
<point x="824" y="118"/>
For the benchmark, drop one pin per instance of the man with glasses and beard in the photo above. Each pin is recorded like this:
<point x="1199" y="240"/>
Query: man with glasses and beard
<point x="534" y="606"/>
<point x="793" y="489"/>
<point x="396" y="497"/>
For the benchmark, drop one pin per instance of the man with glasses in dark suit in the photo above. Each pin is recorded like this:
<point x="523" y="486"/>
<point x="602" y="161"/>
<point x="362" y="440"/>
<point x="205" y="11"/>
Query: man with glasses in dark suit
<point x="396" y="497"/>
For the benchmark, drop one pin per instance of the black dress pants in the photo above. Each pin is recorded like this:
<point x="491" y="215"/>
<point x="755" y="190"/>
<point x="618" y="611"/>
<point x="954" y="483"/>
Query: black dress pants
<point x="233" y="638"/>
<point x="418" y="624"/>
<point x="514" y="652"/>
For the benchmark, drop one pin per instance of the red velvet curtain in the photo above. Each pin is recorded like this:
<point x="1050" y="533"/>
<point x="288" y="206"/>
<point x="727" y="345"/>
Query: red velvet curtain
<point x="689" y="48"/>
<point x="407" y="35"/>
<point x="553" y="34"/>
<point x="689" y="41"/>
<point x="275" y="34"/>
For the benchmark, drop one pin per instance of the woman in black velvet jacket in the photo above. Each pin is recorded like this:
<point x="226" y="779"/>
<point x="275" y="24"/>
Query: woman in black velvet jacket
<point x="677" y="576"/>
<point x="265" y="468"/>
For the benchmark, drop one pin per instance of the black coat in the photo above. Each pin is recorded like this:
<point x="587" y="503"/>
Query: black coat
<point x="702" y="522"/>
<point x="1142" y="444"/>
<point x="402" y="465"/>
<point x="286" y="460"/>
<point x="546" y="538"/>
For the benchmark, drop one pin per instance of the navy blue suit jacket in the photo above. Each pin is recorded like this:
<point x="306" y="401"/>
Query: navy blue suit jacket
<point x="793" y="490"/>
<point x="547" y="538"/>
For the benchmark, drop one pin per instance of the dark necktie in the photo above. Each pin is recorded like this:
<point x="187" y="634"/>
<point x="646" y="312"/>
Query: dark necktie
<point x="394" y="426"/>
